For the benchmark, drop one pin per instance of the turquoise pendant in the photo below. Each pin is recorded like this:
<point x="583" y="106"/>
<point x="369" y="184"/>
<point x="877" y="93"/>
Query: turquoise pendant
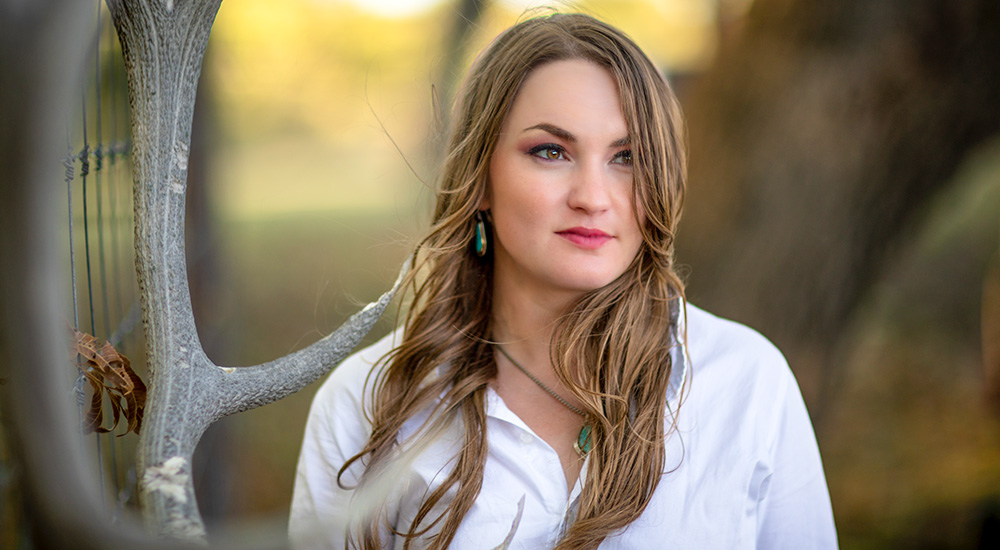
<point x="583" y="443"/>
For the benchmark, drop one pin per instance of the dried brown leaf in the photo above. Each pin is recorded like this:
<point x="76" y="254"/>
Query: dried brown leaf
<point x="110" y="374"/>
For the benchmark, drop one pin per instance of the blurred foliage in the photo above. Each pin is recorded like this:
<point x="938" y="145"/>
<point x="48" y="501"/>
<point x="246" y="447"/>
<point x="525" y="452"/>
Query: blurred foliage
<point x="912" y="447"/>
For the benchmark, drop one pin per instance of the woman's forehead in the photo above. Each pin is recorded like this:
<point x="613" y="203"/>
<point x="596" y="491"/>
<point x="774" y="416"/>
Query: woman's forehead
<point x="577" y="96"/>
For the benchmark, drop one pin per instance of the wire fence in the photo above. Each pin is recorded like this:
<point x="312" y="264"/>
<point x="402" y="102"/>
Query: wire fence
<point x="100" y="258"/>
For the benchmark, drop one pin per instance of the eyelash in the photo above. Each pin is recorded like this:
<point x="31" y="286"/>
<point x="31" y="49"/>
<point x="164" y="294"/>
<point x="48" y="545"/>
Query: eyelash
<point x="625" y="156"/>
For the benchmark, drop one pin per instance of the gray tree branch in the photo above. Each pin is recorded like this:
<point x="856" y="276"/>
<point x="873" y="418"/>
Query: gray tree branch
<point x="163" y="43"/>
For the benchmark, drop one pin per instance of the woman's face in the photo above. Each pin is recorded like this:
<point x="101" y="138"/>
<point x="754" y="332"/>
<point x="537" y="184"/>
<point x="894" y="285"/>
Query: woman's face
<point x="560" y="188"/>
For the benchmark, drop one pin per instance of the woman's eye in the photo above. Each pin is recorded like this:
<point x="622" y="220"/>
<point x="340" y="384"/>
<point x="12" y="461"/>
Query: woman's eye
<point x="623" y="157"/>
<point x="548" y="152"/>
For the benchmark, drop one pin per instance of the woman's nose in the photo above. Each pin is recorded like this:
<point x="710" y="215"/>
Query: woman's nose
<point x="589" y="188"/>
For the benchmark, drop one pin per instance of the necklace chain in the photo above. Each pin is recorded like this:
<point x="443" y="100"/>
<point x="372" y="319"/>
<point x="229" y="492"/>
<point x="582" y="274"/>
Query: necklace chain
<point x="539" y="382"/>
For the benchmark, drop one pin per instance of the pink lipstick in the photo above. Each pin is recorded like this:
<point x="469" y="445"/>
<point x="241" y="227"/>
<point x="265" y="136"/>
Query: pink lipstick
<point x="589" y="239"/>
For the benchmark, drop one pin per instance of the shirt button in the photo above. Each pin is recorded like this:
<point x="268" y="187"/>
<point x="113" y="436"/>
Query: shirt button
<point x="526" y="438"/>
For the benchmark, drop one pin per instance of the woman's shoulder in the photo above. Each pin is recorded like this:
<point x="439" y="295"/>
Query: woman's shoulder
<point x="713" y="340"/>
<point x="731" y="362"/>
<point x="740" y="387"/>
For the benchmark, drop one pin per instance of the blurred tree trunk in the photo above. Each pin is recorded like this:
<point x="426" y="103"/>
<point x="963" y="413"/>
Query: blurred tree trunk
<point x="817" y="139"/>
<point x="468" y="14"/>
<point x="467" y="17"/>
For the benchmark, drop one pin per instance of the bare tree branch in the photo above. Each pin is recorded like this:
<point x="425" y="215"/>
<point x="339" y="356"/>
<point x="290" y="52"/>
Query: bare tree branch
<point x="42" y="49"/>
<point x="163" y="43"/>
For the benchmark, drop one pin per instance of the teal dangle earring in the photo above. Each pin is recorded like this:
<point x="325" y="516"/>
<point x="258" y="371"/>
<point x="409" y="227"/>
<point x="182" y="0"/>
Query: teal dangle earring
<point x="583" y="444"/>
<point x="481" y="242"/>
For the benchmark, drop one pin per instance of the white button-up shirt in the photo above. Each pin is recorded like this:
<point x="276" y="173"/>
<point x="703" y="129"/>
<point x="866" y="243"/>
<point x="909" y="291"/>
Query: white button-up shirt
<point x="742" y="467"/>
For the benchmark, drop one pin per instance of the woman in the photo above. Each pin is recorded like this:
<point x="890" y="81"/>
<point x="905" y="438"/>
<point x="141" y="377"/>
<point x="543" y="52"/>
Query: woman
<point x="533" y="397"/>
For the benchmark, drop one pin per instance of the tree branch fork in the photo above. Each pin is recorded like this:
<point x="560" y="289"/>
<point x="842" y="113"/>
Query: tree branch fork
<point x="163" y="43"/>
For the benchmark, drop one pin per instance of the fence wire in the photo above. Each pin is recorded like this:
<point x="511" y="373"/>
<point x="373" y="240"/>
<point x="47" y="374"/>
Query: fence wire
<point x="100" y="262"/>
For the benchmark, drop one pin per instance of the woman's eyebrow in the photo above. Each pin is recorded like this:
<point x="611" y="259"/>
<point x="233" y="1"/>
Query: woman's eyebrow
<point x="554" y="130"/>
<point x="566" y="135"/>
<point x="621" y="142"/>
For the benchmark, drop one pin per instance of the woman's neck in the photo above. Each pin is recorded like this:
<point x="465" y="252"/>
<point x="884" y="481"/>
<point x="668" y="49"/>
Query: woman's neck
<point x="523" y="322"/>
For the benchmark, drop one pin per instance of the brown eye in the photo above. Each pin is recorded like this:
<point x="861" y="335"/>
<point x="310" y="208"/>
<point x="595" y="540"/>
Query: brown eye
<point x="623" y="157"/>
<point x="548" y="151"/>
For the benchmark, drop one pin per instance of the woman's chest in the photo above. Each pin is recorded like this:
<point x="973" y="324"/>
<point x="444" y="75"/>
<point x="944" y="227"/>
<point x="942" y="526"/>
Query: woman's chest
<point x="707" y="498"/>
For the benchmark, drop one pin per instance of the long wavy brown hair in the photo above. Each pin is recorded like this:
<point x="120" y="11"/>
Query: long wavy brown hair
<point x="611" y="348"/>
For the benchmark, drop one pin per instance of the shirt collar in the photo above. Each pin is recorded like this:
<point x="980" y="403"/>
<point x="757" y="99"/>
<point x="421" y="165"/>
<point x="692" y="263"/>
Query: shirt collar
<point x="678" y="352"/>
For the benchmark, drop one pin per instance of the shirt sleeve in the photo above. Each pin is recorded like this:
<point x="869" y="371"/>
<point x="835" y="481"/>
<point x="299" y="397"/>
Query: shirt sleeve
<point x="336" y="430"/>
<point x="794" y="508"/>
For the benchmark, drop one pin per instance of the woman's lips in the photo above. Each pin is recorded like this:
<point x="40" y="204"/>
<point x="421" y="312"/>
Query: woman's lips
<point x="590" y="239"/>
